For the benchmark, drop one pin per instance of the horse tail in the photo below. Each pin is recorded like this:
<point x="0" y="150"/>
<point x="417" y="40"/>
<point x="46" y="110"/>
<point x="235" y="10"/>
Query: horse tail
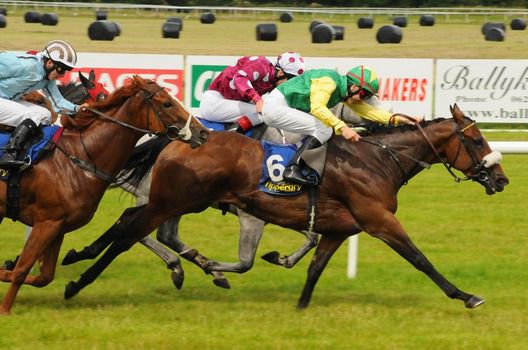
<point x="141" y="160"/>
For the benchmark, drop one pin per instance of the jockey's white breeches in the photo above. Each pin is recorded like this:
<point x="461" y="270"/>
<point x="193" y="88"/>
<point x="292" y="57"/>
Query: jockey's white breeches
<point x="278" y="114"/>
<point x="12" y="113"/>
<point x="216" y="108"/>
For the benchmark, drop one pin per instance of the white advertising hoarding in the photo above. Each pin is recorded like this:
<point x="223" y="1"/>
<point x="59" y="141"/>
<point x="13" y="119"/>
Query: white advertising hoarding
<point x="406" y="85"/>
<point x="485" y="90"/>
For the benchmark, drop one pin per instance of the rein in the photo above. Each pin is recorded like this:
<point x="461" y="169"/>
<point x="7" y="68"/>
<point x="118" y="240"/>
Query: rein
<point x="181" y="134"/>
<point x="391" y="151"/>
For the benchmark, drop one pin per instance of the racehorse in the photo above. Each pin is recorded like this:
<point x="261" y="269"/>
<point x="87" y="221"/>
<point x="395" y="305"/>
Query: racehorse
<point x="358" y="191"/>
<point x="62" y="192"/>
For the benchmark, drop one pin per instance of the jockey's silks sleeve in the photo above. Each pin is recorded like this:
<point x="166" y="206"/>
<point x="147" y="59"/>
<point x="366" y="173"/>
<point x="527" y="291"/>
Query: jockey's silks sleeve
<point x="370" y="112"/>
<point x="320" y="91"/>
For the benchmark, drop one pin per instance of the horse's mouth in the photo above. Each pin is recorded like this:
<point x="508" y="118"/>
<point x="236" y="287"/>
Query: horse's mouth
<point x="497" y="185"/>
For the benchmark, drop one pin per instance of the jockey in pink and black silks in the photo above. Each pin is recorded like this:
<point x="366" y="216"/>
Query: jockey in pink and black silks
<point x="236" y="94"/>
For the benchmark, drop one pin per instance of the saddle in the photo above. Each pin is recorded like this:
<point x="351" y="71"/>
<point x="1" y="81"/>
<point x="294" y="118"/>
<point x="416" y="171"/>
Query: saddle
<point x="256" y="132"/>
<point x="33" y="150"/>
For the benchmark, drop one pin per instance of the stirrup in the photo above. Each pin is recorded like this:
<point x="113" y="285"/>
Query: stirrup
<point x="10" y="162"/>
<point x="293" y="174"/>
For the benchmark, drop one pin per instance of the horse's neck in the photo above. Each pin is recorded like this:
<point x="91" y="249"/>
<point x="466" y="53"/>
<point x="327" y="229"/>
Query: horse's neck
<point x="105" y="145"/>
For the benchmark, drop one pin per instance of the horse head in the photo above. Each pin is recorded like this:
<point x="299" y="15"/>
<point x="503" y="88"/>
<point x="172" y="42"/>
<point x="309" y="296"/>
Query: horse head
<point x="154" y="111"/>
<point x="470" y="153"/>
<point x="95" y="90"/>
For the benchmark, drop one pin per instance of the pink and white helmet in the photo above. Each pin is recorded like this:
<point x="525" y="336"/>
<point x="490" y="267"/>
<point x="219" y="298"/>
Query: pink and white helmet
<point x="291" y="63"/>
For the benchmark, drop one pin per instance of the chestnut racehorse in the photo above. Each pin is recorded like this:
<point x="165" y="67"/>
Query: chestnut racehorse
<point x="358" y="191"/>
<point x="61" y="193"/>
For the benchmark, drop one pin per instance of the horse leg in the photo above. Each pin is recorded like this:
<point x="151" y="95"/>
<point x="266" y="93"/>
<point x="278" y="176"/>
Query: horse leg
<point x="168" y="234"/>
<point x="392" y="233"/>
<point x="171" y="260"/>
<point x="289" y="261"/>
<point x="326" y="248"/>
<point x="251" y="230"/>
<point x="97" y="247"/>
<point x="44" y="236"/>
<point x="144" y="220"/>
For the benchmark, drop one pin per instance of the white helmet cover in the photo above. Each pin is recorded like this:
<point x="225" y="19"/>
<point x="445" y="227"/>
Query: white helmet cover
<point x="62" y="52"/>
<point x="291" y="63"/>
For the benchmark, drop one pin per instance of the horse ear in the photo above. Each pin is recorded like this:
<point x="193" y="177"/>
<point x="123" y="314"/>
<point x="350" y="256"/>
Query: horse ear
<point x="91" y="75"/>
<point x="86" y="82"/>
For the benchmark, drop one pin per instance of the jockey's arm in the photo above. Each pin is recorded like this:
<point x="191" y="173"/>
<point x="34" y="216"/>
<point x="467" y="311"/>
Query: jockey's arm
<point x="370" y="112"/>
<point x="58" y="102"/>
<point x="320" y="91"/>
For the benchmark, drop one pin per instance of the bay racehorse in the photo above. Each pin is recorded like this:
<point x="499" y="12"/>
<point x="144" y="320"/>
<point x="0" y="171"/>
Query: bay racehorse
<point x="358" y="191"/>
<point x="61" y="193"/>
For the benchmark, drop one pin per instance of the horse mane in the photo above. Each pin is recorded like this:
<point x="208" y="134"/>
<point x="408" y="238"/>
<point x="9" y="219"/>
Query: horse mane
<point x="388" y="130"/>
<point x="141" y="161"/>
<point x="84" y="119"/>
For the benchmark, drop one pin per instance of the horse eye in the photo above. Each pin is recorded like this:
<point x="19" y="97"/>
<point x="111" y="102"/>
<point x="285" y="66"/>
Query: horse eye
<point x="478" y="142"/>
<point x="167" y="104"/>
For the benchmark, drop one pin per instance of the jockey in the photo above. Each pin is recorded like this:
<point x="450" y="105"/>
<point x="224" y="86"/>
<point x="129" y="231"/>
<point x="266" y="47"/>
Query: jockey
<point x="236" y="94"/>
<point x="24" y="73"/>
<point x="293" y="105"/>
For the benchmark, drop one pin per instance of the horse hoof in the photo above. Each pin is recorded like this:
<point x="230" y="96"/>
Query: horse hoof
<point x="9" y="265"/>
<point x="474" y="302"/>
<point x="221" y="282"/>
<point x="177" y="278"/>
<point x="271" y="257"/>
<point x="70" y="258"/>
<point x="71" y="290"/>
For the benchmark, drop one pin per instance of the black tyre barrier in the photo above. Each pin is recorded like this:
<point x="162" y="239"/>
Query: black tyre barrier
<point x="489" y="25"/>
<point x="32" y="17"/>
<point x="339" y="32"/>
<point x="49" y="19"/>
<point x="495" y="34"/>
<point x="207" y="18"/>
<point x="286" y="17"/>
<point x="365" y="22"/>
<point x="400" y="21"/>
<point x="103" y="30"/>
<point x="171" y="30"/>
<point x="101" y="15"/>
<point x="176" y="20"/>
<point x="427" y="21"/>
<point x="314" y="24"/>
<point x="117" y="28"/>
<point x="518" y="24"/>
<point x="389" y="34"/>
<point x="3" y="22"/>
<point x="323" y="34"/>
<point x="3" y="11"/>
<point x="266" y="32"/>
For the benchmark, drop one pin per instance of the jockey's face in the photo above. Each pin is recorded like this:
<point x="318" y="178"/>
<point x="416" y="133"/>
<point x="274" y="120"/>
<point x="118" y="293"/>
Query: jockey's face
<point x="54" y="70"/>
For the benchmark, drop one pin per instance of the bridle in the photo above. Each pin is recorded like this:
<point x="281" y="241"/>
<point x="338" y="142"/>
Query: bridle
<point x="478" y="167"/>
<point x="479" y="174"/>
<point x="173" y="132"/>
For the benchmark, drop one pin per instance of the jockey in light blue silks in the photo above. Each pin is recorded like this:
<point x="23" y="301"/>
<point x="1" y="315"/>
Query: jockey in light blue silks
<point x="20" y="74"/>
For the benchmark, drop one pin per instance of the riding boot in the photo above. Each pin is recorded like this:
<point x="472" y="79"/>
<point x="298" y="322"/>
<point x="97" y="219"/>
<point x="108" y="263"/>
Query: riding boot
<point x="23" y="132"/>
<point x="293" y="171"/>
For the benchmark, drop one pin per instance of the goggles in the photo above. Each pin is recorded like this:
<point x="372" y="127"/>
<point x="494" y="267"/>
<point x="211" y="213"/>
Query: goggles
<point x="61" y="68"/>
